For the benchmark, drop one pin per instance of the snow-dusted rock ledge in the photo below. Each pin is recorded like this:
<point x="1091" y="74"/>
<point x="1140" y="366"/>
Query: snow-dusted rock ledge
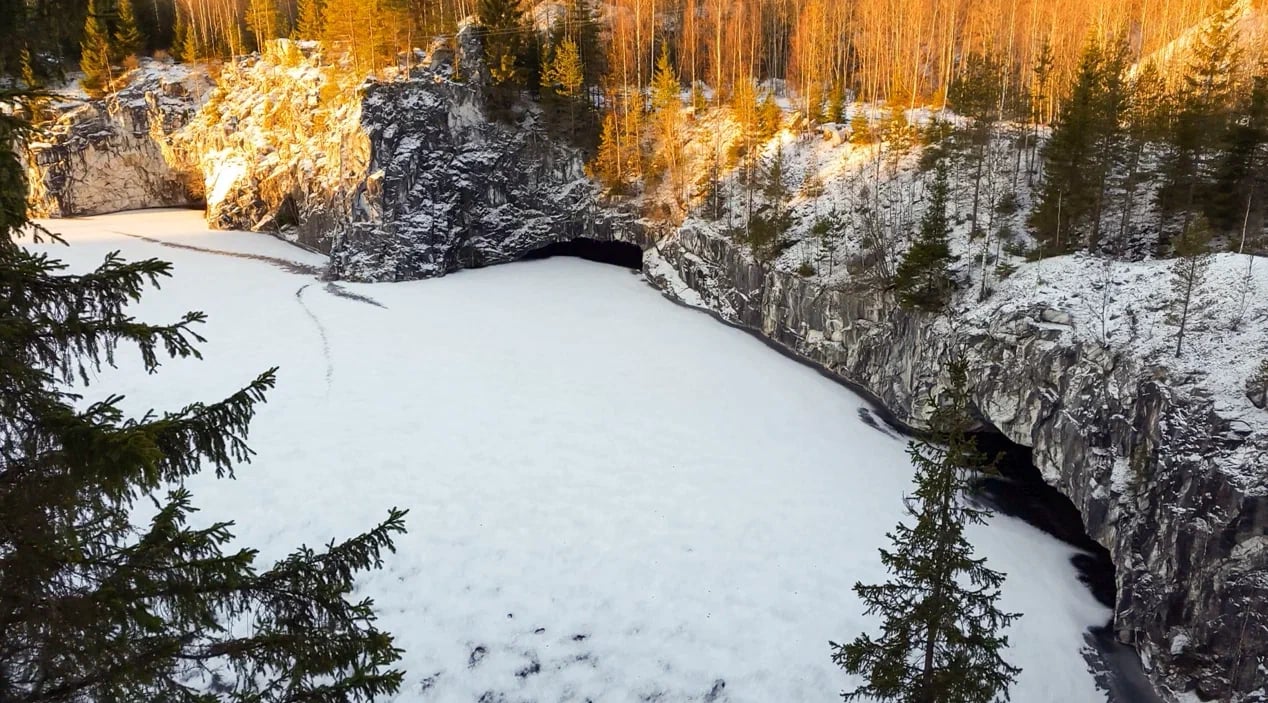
<point x="114" y="153"/>
<point x="1175" y="491"/>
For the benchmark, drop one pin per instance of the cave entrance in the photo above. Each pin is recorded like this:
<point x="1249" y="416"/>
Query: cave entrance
<point x="621" y="254"/>
<point x="1021" y="492"/>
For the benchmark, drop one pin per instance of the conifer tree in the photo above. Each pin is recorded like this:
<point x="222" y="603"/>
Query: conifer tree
<point x="667" y="108"/>
<point x="835" y="110"/>
<point x="607" y="163"/>
<point x="582" y="24"/>
<point x="1241" y="169"/>
<point x="1071" y="167"/>
<point x="976" y="95"/>
<point x="1203" y="109"/>
<point x="861" y="128"/>
<point x="184" y="40"/>
<point x="564" y="74"/>
<point x="366" y="29"/>
<point x="1188" y="274"/>
<point x="264" y="21"/>
<point x="1145" y="118"/>
<point x="504" y="33"/>
<point x="27" y="70"/>
<point x="940" y="639"/>
<point x="774" y="181"/>
<point x="127" y="36"/>
<point x="95" y="52"/>
<point x="308" y="24"/>
<point x="923" y="278"/>
<point x="563" y="80"/>
<point x="97" y="607"/>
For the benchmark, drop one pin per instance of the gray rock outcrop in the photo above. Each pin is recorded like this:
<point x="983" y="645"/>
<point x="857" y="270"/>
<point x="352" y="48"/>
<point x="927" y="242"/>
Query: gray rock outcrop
<point x="112" y="154"/>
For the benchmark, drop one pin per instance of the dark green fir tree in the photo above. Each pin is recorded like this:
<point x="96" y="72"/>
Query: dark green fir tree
<point x="127" y="36"/>
<point x="1203" y="105"/>
<point x="507" y="40"/>
<point x="940" y="639"/>
<point x="97" y="607"/>
<point x="95" y="50"/>
<point x="923" y="279"/>
<point x="1241" y="172"/>
<point x="1072" y="169"/>
<point x="307" y="20"/>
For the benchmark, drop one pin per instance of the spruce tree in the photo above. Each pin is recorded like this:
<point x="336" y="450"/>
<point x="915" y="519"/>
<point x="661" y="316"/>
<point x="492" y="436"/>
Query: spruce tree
<point x="940" y="638"/>
<point x="1241" y="169"/>
<point x="308" y="23"/>
<point x="861" y="128"/>
<point x="1188" y="275"/>
<point x="564" y="74"/>
<point x="1203" y="107"/>
<point x="504" y="32"/>
<point x="835" y="110"/>
<point x="127" y="37"/>
<point x="1145" y="116"/>
<point x="95" y="51"/>
<point x="563" y="80"/>
<point x="606" y="167"/>
<point x="97" y="607"/>
<point x="582" y="24"/>
<point x="923" y="279"/>
<point x="1072" y="168"/>
<point x="264" y="21"/>
<point x="976" y="95"/>
<point x="184" y="40"/>
<point x="667" y="108"/>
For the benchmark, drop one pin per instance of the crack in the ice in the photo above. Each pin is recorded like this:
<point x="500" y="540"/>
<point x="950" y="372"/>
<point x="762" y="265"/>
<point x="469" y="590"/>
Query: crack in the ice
<point x="286" y="264"/>
<point x="321" y="331"/>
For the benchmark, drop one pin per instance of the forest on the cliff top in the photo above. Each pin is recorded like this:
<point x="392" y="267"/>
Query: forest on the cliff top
<point x="1147" y="110"/>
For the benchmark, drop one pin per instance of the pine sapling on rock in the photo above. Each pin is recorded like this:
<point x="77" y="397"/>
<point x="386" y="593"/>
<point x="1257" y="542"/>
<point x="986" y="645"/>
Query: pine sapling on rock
<point x="940" y="638"/>
<point x="1188" y="274"/>
<point x="923" y="278"/>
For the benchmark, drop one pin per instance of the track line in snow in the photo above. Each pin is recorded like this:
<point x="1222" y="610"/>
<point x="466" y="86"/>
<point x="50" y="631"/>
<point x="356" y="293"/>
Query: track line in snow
<point x="338" y="290"/>
<point x="286" y="264"/>
<point x="321" y="332"/>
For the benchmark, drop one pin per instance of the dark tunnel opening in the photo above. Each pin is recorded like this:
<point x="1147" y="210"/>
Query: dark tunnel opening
<point x="622" y="254"/>
<point x="1021" y="492"/>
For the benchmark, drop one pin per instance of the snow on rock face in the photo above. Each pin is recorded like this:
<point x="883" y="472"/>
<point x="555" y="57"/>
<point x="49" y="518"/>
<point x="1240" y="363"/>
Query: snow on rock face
<point x="279" y="144"/>
<point x="450" y="189"/>
<point x="1177" y="491"/>
<point x="114" y="153"/>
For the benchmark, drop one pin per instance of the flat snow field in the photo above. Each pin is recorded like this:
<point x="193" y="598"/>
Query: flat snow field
<point x="612" y="498"/>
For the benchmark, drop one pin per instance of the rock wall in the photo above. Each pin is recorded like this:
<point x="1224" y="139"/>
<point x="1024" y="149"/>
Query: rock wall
<point x="113" y="154"/>
<point x="279" y="145"/>
<point x="450" y="189"/>
<point x="1174" y="491"/>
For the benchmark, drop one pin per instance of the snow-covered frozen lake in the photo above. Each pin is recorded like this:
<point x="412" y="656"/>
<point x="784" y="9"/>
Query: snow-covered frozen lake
<point x="612" y="498"/>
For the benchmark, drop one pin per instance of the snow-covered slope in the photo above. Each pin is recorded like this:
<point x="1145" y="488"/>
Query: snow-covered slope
<point x="612" y="498"/>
